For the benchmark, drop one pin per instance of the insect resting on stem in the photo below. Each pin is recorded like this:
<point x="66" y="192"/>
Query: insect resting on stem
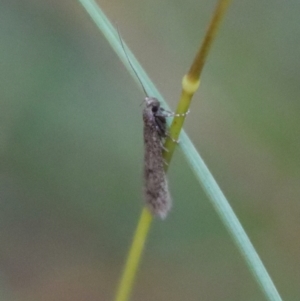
<point x="156" y="191"/>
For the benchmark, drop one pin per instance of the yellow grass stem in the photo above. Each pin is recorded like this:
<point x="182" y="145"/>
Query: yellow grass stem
<point x="188" y="90"/>
<point x="197" y="66"/>
<point x="190" y="84"/>
<point x="134" y="256"/>
<point x="191" y="81"/>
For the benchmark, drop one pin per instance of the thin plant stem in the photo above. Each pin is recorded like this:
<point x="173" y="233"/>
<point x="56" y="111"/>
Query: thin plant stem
<point x="213" y="27"/>
<point x="134" y="256"/>
<point x="191" y="81"/>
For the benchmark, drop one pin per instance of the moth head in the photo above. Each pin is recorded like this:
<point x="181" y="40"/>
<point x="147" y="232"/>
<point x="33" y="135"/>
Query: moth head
<point x="153" y="103"/>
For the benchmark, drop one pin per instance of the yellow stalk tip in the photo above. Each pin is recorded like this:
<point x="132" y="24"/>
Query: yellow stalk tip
<point x="190" y="86"/>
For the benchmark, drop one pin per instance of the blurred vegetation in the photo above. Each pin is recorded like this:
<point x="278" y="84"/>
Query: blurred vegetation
<point x="70" y="192"/>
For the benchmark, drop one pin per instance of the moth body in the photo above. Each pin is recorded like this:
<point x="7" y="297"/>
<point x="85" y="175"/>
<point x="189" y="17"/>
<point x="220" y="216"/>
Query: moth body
<point x="156" y="189"/>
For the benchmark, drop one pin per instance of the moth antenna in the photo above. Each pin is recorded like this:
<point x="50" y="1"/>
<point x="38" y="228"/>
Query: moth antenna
<point x="129" y="62"/>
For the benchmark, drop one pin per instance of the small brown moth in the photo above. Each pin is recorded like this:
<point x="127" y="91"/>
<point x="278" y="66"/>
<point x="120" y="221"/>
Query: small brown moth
<point x="156" y="191"/>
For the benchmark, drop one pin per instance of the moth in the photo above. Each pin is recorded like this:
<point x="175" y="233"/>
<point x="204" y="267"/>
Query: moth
<point x="156" y="191"/>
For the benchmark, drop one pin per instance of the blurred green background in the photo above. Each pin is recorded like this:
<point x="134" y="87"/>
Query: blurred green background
<point x="71" y="150"/>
